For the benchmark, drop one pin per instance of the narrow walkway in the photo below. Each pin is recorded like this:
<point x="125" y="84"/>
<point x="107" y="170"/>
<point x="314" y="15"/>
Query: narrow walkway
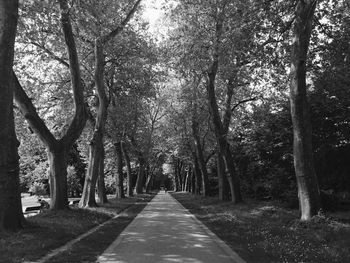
<point x="166" y="232"/>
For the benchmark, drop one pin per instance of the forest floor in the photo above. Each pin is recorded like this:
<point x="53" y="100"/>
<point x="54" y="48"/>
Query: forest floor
<point x="267" y="232"/>
<point x="50" y="230"/>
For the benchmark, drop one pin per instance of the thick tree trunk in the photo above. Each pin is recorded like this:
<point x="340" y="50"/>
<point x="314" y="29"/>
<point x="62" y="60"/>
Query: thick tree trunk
<point x="101" y="187"/>
<point x="95" y="155"/>
<point x="308" y="191"/>
<point x="11" y="216"/>
<point x="224" y="188"/>
<point x="119" y="175"/>
<point x="140" y="176"/>
<point x="57" y="158"/>
<point x="129" y="179"/>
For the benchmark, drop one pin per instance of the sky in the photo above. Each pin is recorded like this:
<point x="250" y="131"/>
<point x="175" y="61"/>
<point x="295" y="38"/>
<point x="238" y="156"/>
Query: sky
<point x="154" y="13"/>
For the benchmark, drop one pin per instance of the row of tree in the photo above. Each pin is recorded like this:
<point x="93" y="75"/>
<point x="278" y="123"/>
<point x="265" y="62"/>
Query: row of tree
<point x="211" y="99"/>
<point x="231" y="62"/>
<point x="109" y="63"/>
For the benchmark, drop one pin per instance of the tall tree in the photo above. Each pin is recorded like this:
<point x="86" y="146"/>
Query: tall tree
<point x="58" y="149"/>
<point x="96" y="144"/>
<point x="10" y="198"/>
<point x="308" y="191"/>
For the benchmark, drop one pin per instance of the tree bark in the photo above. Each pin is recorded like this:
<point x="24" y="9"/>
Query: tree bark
<point x="193" y="180"/>
<point x="57" y="158"/>
<point x="197" y="176"/>
<point x="177" y="185"/>
<point x="101" y="187"/>
<point x="11" y="217"/>
<point x="129" y="179"/>
<point x="140" y="176"/>
<point x="149" y="182"/>
<point x="119" y="175"/>
<point x="308" y="191"/>
<point x="224" y="188"/>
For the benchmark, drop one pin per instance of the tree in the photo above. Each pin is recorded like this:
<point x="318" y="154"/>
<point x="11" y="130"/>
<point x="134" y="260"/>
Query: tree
<point x="308" y="192"/>
<point x="58" y="149"/>
<point x="96" y="144"/>
<point x="10" y="199"/>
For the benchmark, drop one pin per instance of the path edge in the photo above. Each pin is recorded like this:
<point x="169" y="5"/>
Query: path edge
<point x="234" y="256"/>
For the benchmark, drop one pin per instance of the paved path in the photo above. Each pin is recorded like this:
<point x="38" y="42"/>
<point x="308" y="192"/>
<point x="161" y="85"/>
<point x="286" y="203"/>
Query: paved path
<point x="166" y="232"/>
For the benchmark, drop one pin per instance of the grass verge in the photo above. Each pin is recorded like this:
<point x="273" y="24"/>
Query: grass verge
<point x="266" y="232"/>
<point x="52" y="229"/>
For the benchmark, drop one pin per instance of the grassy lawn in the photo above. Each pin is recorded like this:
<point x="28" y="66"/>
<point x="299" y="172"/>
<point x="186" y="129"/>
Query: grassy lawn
<point x="266" y="232"/>
<point x="49" y="230"/>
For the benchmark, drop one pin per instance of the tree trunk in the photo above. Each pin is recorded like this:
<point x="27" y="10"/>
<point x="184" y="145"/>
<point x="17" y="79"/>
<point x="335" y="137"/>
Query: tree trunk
<point x="179" y="174"/>
<point x="140" y="176"/>
<point x="95" y="155"/>
<point x="220" y="133"/>
<point x="57" y="158"/>
<point x="197" y="176"/>
<point x="149" y="182"/>
<point x="188" y="179"/>
<point x="129" y="179"/>
<point x="185" y="181"/>
<point x="119" y="175"/>
<point x="96" y="144"/>
<point x="308" y="191"/>
<point x="224" y="189"/>
<point x="193" y="180"/>
<point x="101" y="187"/>
<point x="176" y="175"/>
<point x="11" y="216"/>
<point x="200" y="157"/>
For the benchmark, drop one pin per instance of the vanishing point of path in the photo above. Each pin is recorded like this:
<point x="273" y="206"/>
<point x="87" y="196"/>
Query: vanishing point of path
<point x="166" y="232"/>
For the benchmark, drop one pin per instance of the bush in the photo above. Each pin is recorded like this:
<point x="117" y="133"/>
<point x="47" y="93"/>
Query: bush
<point x="73" y="183"/>
<point x="37" y="188"/>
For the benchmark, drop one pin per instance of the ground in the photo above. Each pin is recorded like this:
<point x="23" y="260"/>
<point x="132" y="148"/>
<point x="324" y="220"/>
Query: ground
<point x="267" y="232"/>
<point x="257" y="231"/>
<point x="50" y="230"/>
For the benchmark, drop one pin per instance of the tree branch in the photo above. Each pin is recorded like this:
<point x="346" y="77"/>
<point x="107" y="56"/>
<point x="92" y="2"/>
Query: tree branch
<point x="29" y="112"/>
<point x="51" y="54"/>
<point x="242" y="102"/>
<point x="119" y="29"/>
<point x="80" y="116"/>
